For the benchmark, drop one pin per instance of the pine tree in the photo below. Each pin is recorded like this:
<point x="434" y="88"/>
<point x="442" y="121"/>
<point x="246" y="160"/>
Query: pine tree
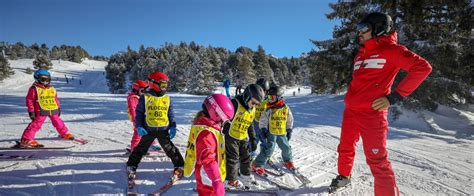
<point x="262" y="66"/>
<point x="42" y="62"/>
<point x="202" y="80"/>
<point x="116" y="77"/>
<point x="245" y="71"/>
<point x="5" y="69"/>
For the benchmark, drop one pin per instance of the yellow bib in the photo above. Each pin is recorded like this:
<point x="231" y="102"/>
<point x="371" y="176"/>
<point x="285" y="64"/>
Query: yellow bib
<point x="47" y="98"/>
<point x="241" y="123"/>
<point x="156" y="110"/>
<point x="277" y="120"/>
<point x="259" y="109"/>
<point x="190" y="157"/>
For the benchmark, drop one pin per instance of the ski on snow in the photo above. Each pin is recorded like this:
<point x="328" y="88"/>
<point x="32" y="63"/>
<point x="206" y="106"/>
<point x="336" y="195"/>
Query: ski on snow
<point x="303" y="179"/>
<point x="165" y="187"/>
<point x="17" y="147"/>
<point x="274" y="182"/>
<point x="278" y="171"/>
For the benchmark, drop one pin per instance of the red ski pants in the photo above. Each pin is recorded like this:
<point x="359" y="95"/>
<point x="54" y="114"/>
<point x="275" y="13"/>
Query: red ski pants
<point x="372" y="126"/>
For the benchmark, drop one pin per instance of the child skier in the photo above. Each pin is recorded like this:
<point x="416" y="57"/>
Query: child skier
<point x="42" y="101"/>
<point x="155" y="119"/>
<point x="205" y="152"/>
<point x="138" y="87"/>
<point x="276" y="125"/>
<point x="238" y="134"/>
<point x="262" y="82"/>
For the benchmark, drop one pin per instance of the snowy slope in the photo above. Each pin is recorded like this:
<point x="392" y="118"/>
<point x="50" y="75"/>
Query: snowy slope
<point x="431" y="153"/>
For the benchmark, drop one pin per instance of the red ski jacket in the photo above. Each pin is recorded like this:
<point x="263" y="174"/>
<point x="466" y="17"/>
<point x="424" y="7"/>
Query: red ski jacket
<point x="206" y="162"/>
<point x="375" y="67"/>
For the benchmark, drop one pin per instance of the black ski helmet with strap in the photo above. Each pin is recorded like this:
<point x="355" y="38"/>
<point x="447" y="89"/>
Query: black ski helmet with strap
<point x="275" y="90"/>
<point x="262" y="82"/>
<point x="255" y="91"/>
<point x="380" y="24"/>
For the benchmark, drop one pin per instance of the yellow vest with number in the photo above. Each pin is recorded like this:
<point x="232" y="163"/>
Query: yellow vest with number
<point x="156" y="110"/>
<point x="277" y="120"/>
<point x="190" y="157"/>
<point x="47" y="98"/>
<point x="241" y="123"/>
<point x="259" y="109"/>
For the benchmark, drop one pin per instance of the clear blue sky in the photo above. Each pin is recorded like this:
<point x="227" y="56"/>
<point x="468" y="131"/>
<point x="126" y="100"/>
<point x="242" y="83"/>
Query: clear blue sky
<point x="103" y="27"/>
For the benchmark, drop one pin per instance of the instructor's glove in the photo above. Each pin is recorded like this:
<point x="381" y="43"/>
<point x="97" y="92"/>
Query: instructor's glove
<point x="172" y="132"/>
<point x="32" y="115"/>
<point x="141" y="131"/>
<point x="264" y="133"/>
<point x="288" y="133"/>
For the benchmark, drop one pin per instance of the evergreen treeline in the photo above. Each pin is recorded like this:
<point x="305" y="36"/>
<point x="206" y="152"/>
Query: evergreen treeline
<point x="63" y="52"/>
<point x="439" y="31"/>
<point x="41" y="54"/>
<point x="197" y="69"/>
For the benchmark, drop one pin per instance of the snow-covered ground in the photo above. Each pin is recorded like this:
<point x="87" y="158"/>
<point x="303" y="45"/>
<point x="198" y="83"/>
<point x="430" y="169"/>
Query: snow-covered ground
<point x="431" y="153"/>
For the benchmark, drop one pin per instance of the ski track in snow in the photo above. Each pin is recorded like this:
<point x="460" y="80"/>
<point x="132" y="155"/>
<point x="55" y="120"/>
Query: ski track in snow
<point x="426" y="161"/>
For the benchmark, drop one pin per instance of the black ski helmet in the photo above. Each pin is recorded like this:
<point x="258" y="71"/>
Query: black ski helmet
<point x="275" y="90"/>
<point x="379" y="23"/>
<point x="263" y="83"/>
<point x="255" y="91"/>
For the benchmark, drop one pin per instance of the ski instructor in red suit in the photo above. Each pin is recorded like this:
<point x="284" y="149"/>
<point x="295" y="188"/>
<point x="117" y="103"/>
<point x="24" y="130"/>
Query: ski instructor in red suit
<point x="379" y="60"/>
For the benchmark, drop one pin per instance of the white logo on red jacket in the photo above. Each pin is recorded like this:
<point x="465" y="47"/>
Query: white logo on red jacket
<point x="370" y="63"/>
<point x="375" y="150"/>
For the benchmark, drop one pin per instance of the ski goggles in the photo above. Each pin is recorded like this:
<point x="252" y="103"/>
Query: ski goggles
<point x="163" y="84"/>
<point x="44" y="79"/>
<point x="363" y="27"/>
<point x="272" y="97"/>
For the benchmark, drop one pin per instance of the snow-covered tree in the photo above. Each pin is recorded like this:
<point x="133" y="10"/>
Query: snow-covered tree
<point x="201" y="75"/>
<point x="42" y="62"/>
<point x="262" y="66"/>
<point x="5" y="69"/>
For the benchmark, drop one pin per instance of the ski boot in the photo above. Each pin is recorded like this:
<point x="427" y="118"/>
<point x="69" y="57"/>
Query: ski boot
<point x="177" y="174"/>
<point x="25" y="143"/>
<point x="235" y="185"/>
<point x="131" y="172"/>
<point x="290" y="165"/>
<point x="258" y="170"/>
<point x="131" y="175"/>
<point x="339" y="182"/>
<point x="67" y="136"/>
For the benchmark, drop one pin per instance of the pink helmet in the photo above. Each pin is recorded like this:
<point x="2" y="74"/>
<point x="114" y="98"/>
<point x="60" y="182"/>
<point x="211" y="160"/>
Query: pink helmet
<point x="219" y="107"/>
